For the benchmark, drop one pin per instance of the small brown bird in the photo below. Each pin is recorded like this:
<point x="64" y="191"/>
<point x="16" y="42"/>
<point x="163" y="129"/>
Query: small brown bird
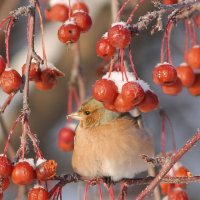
<point x="108" y="144"/>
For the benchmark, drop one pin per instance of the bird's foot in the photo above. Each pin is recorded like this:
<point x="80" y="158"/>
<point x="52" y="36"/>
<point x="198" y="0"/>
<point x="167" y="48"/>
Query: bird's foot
<point x="123" y="192"/>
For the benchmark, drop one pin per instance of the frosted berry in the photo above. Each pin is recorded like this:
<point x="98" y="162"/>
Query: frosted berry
<point x="170" y="2"/>
<point x="122" y="105"/>
<point x="119" y="36"/>
<point x="177" y="195"/>
<point x="23" y="173"/>
<point x="10" y="81"/>
<point x="58" y="12"/>
<point x="186" y="74"/>
<point x="69" y="33"/>
<point x="46" y="170"/>
<point x="66" y="139"/>
<point x="174" y="88"/>
<point x="4" y="183"/>
<point x="80" y="6"/>
<point x="82" y="20"/>
<point x="149" y="103"/>
<point x="105" y="91"/>
<point x="38" y="193"/>
<point x="35" y="72"/>
<point x="164" y="73"/>
<point x="193" y="57"/>
<point x="195" y="88"/>
<point x="2" y="64"/>
<point x="133" y="92"/>
<point x="104" y="49"/>
<point x="5" y="167"/>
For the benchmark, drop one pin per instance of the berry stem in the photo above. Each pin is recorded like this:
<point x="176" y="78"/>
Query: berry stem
<point x="23" y="137"/>
<point x="100" y="191"/>
<point x="194" y="34"/>
<point x="186" y="40"/>
<point x="86" y="191"/>
<point x="69" y="120"/>
<point x="133" y="11"/>
<point x="76" y="97"/>
<point x="4" y="21"/>
<point x="111" y="67"/>
<point x="114" y="9"/>
<point x="7" y="102"/>
<point x="42" y="33"/>
<point x="70" y="10"/>
<point x="163" y="135"/>
<point x="132" y="63"/>
<point x="121" y="9"/>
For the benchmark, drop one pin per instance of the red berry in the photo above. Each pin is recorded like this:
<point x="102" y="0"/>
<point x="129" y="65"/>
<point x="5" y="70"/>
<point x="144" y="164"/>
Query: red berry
<point x="66" y="139"/>
<point x="104" y="49"/>
<point x="23" y="173"/>
<point x="109" y="107"/>
<point x="164" y="73"/>
<point x="58" y="12"/>
<point x="195" y="88"/>
<point x="122" y="105"/>
<point x="10" y="81"/>
<point x="170" y="2"/>
<point x="181" y="172"/>
<point x="1" y="196"/>
<point x="5" y="167"/>
<point x="149" y="103"/>
<point x="80" y="6"/>
<point x="193" y="57"/>
<point x="119" y="36"/>
<point x="174" y="88"/>
<point x="46" y="170"/>
<point x="177" y="195"/>
<point x="2" y="64"/>
<point x="4" y="183"/>
<point x="69" y="32"/>
<point x="38" y="193"/>
<point x="35" y="72"/>
<point x="166" y="188"/>
<point x="133" y="92"/>
<point x="185" y="73"/>
<point x="82" y="20"/>
<point x="105" y="91"/>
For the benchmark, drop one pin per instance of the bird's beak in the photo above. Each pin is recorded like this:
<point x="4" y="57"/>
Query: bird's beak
<point x="74" y="116"/>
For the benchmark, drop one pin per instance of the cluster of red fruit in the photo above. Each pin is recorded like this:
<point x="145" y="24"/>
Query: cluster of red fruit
<point x="175" y="191"/>
<point x="172" y="79"/>
<point x="76" y="20"/>
<point x="66" y="139"/>
<point x="24" y="172"/>
<point x="119" y="96"/>
<point x="45" y="78"/>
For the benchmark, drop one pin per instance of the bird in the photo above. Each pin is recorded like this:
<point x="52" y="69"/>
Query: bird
<point x="108" y="144"/>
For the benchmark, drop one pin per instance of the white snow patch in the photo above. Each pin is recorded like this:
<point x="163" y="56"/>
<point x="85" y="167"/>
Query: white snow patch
<point x="105" y="35"/>
<point x="70" y="21"/>
<point x="71" y="125"/>
<point x="145" y="86"/>
<point x="38" y="186"/>
<point x="30" y="161"/>
<point x="40" y="161"/>
<point x="124" y="24"/>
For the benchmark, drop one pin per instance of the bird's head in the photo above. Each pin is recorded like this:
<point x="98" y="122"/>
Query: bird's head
<point x="92" y="113"/>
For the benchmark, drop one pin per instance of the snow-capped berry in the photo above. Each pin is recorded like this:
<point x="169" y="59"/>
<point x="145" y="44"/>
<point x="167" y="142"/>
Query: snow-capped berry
<point x="105" y="91"/>
<point x="35" y="72"/>
<point x="164" y="73"/>
<point x="58" y="12"/>
<point x="174" y="88"/>
<point x="133" y="92"/>
<point x="122" y="105"/>
<point x="119" y="35"/>
<point x="69" y="32"/>
<point x="177" y="194"/>
<point x="46" y="170"/>
<point x="10" y="81"/>
<point x="170" y="2"/>
<point x="4" y="183"/>
<point x="193" y="57"/>
<point x="186" y="74"/>
<point x="38" y="193"/>
<point x="82" y="20"/>
<point x="104" y="49"/>
<point x="80" y="6"/>
<point x="5" y="167"/>
<point x="23" y="173"/>
<point x="195" y="88"/>
<point x="149" y="103"/>
<point x="2" y="64"/>
<point x="66" y="139"/>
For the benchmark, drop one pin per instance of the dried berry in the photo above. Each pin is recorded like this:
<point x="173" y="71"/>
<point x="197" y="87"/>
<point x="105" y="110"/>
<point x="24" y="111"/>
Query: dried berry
<point x="35" y="72"/>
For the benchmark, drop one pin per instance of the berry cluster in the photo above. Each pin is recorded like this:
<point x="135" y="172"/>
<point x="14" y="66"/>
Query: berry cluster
<point x="175" y="191"/>
<point x="124" y="96"/>
<point x="75" y="19"/>
<point x="173" y="79"/>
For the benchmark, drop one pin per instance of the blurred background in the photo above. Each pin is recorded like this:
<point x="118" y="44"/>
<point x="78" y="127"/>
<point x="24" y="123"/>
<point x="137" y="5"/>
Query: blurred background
<point x="49" y="108"/>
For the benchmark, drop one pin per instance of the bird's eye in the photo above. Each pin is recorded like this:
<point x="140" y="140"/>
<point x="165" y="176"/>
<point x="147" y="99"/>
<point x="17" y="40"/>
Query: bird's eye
<point x="87" y="112"/>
